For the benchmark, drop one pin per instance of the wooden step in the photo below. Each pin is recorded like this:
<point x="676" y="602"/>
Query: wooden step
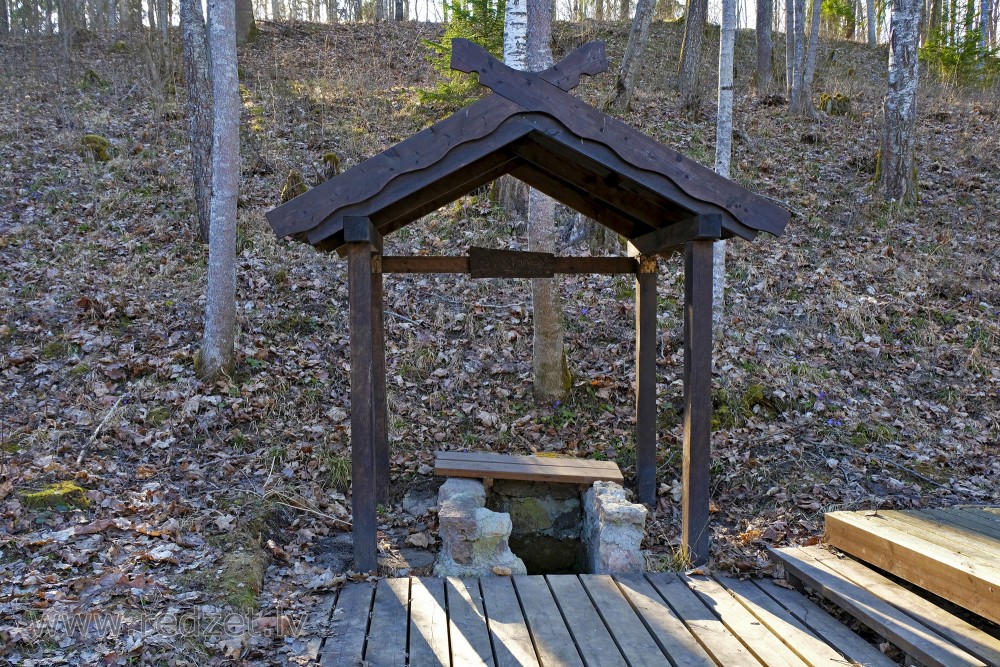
<point x="485" y="465"/>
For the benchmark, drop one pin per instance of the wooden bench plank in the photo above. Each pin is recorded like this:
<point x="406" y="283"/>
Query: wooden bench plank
<point x="553" y="642"/>
<point x="949" y="626"/>
<point x="428" y="623"/>
<point x="508" y="632"/>
<point x="489" y="457"/>
<point x="595" y="643"/>
<point x="669" y="631"/>
<point x="907" y="633"/>
<point x="387" y="637"/>
<point x="744" y="626"/>
<point x="782" y="624"/>
<point x="710" y="632"/>
<point x="529" y="471"/>
<point x="630" y="634"/>
<point x="467" y="631"/>
<point x="344" y="646"/>
<point x="826" y="626"/>
<point x="944" y="533"/>
<point x="962" y="578"/>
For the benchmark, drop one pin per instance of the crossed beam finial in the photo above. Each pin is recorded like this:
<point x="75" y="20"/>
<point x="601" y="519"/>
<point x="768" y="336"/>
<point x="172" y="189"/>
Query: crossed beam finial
<point x="589" y="59"/>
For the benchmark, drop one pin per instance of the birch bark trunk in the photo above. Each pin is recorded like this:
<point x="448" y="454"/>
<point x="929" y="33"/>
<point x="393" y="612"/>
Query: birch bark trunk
<point x="216" y="356"/>
<point x="723" y="152"/>
<point x="799" y="55"/>
<point x="870" y="21"/>
<point x="896" y="173"/>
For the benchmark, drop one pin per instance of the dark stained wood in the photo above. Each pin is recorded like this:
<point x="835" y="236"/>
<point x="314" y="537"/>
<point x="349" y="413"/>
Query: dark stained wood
<point x="645" y="382"/>
<point x="380" y="427"/>
<point x="531" y="468"/>
<point x="390" y="616"/>
<point x="697" y="398"/>
<point x="363" y="464"/>
<point x="534" y="93"/>
<point x="345" y="644"/>
<point x="823" y="625"/>
<point x="467" y="631"/>
<point x="550" y="265"/>
<point x="492" y="263"/>
<point x="553" y="642"/>
<point x="359" y="229"/>
<point x="972" y="518"/>
<point x="634" y="641"/>
<point x="428" y="623"/>
<point x="591" y="636"/>
<point x="424" y="148"/>
<point x="908" y="634"/>
<point x="703" y="624"/>
<point x="511" y="642"/>
<point x="424" y="264"/>
<point x="696" y="228"/>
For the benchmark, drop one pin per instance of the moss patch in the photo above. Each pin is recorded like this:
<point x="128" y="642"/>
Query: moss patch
<point x="58" y="496"/>
<point x="241" y="577"/>
<point x="96" y="146"/>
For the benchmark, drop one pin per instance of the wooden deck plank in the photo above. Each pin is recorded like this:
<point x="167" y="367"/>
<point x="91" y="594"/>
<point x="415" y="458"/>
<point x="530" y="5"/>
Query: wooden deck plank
<point x="390" y="617"/>
<point x="949" y="626"/>
<point x="529" y="471"/>
<point x="755" y="635"/>
<point x="710" y="632"/>
<point x="595" y="643"/>
<point x="508" y="632"/>
<point x="467" y="631"/>
<point x="428" y="623"/>
<point x="944" y="533"/>
<point x="344" y="646"/>
<point x="552" y="639"/>
<point x="782" y="624"/>
<point x="960" y="577"/>
<point x="314" y="643"/>
<point x="635" y="642"/>
<point x="826" y="626"/>
<point x="669" y="631"/>
<point x="974" y="518"/>
<point x="910" y="635"/>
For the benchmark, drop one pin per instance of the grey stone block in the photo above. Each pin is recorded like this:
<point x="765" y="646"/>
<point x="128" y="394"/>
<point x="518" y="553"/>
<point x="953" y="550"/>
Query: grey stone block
<point x="613" y="529"/>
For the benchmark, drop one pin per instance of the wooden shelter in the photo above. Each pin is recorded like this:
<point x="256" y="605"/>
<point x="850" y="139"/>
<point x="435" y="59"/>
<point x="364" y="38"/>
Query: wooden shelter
<point x="533" y="129"/>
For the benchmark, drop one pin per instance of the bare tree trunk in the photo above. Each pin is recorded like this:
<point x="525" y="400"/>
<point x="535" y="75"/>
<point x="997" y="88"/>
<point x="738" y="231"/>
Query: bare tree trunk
<point x="625" y="8"/>
<point x="723" y="151"/>
<point x="896" y="172"/>
<point x="199" y="108"/>
<point x="245" y="24"/>
<point x="765" y="44"/>
<point x="621" y="94"/>
<point x="799" y="56"/>
<point x="789" y="47"/>
<point x="216" y="355"/>
<point x="694" y="34"/>
<point x="4" y="19"/>
<point x="805" y="105"/>
<point x="870" y="20"/>
<point x="984" y="24"/>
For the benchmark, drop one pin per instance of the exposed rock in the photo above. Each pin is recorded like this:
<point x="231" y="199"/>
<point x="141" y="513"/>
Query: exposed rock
<point x="474" y="540"/>
<point x="612" y="530"/>
<point x="417" y="504"/>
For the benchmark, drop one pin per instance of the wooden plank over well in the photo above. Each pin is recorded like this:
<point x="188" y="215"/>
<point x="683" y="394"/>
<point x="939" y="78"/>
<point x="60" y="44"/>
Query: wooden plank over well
<point x="531" y="468"/>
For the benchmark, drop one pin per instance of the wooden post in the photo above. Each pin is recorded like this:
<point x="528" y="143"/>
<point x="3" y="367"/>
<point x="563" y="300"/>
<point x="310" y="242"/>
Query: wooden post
<point x="379" y="414"/>
<point x="362" y="239"/>
<point x="645" y="380"/>
<point x="697" y="398"/>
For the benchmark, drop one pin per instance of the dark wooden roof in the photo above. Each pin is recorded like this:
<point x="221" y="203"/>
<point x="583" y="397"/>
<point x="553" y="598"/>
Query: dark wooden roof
<point x="533" y="129"/>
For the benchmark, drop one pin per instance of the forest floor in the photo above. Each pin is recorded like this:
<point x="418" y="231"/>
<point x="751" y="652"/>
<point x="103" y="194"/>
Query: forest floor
<point x="858" y="367"/>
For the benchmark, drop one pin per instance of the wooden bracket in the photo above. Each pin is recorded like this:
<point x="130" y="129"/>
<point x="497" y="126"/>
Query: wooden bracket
<point x="361" y="230"/>
<point x="672" y="238"/>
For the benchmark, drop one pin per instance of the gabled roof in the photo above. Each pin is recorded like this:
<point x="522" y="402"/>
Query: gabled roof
<point x="531" y="128"/>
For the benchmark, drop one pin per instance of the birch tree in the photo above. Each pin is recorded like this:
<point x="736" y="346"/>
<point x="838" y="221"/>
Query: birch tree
<point x="527" y="35"/>
<point x="896" y="172"/>
<point x="199" y="108"/>
<point x="216" y="355"/>
<point x="621" y="94"/>
<point x="694" y="33"/>
<point x="871" y="23"/>
<point x="723" y="150"/>
<point x="799" y="53"/>
<point x="765" y="43"/>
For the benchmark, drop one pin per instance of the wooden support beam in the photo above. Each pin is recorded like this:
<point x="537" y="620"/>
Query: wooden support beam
<point x="510" y="264"/>
<point x="697" y="398"/>
<point x="363" y="463"/>
<point x="379" y="412"/>
<point x="645" y="380"/>
<point x="672" y="237"/>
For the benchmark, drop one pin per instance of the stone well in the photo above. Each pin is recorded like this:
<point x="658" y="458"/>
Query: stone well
<point x="518" y="527"/>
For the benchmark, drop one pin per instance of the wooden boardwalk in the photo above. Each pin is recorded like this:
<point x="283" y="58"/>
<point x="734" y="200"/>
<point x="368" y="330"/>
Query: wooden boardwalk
<point x="953" y="552"/>
<point x="588" y="620"/>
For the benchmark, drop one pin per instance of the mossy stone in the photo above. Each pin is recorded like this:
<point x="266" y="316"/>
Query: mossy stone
<point x="295" y="185"/>
<point x="96" y="146"/>
<point x="57" y="496"/>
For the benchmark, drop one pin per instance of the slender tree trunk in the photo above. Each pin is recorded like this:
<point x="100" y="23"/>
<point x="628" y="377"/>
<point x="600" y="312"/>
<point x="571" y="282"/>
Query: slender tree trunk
<point x="199" y="108"/>
<point x="625" y="8"/>
<point x="4" y="19"/>
<point x="870" y="20"/>
<point x="805" y="105"/>
<point x="621" y="94"/>
<point x="245" y="24"/>
<point x="765" y="44"/>
<point x="896" y="170"/>
<point x="789" y="47"/>
<point x="799" y="57"/>
<point x="723" y="151"/>
<point x="216" y="356"/>
<point x="984" y="24"/>
<point x="694" y="34"/>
